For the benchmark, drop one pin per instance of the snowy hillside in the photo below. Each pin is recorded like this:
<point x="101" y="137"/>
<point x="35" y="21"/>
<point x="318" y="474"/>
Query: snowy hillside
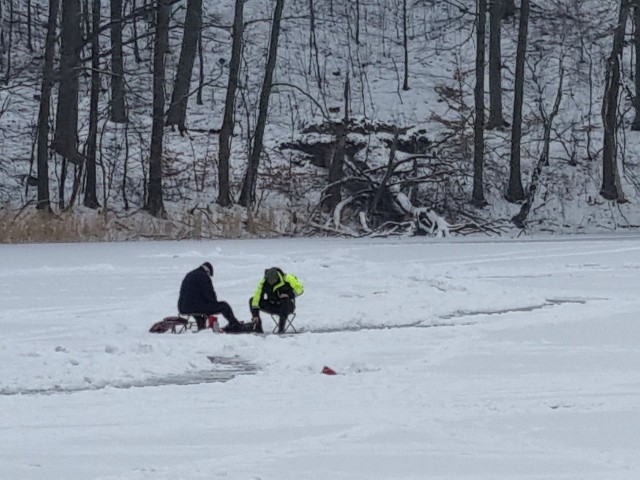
<point x="361" y="42"/>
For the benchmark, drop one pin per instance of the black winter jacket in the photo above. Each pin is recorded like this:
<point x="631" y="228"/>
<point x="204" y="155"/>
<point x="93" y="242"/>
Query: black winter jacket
<point x="197" y="294"/>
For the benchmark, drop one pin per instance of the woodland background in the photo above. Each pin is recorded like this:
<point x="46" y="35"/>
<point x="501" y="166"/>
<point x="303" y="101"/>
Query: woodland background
<point x="130" y="119"/>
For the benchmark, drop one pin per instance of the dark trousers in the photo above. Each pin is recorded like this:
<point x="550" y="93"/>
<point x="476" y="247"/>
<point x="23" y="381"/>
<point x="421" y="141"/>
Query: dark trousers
<point x="218" y="308"/>
<point x="283" y="308"/>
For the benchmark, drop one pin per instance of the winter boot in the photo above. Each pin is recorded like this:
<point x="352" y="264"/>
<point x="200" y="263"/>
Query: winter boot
<point x="201" y="322"/>
<point x="256" y="326"/>
<point x="234" y="325"/>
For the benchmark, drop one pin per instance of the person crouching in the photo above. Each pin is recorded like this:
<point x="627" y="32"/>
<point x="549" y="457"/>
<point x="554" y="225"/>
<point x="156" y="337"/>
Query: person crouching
<point x="275" y="294"/>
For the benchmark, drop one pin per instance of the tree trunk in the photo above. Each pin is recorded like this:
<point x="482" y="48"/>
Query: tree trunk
<point x="636" y="44"/>
<point x="178" y="109"/>
<point x="155" y="205"/>
<point x="336" y="170"/>
<point x="201" y="70"/>
<point x="519" y="220"/>
<point x="228" y="121"/>
<point x="515" y="192"/>
<point x="357" y="22"/>
<point x="477" y="198"/>
<point x="134" y="27"/>
<point x="509" y="8"/>
<point x="90" y="194"/>
<point x="611" y="188"/>
<point x="29" y="26"/>
<point x="405" y="46"/>
<point x="9" y="44"/>
<point x="247" y="195"/>
<point x="44" y="202"/>
<point x="382" y="188"/>
<point x="496" y="120"/>
<point x="2" y="46"/>
<point x="65" y="141"/>
<point x="118" y="109"/>
<point x="86" y="18"/>
<point x="313" y="45"/>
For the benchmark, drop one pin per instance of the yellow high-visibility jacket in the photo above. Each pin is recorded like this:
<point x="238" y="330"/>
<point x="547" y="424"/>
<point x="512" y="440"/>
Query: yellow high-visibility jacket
<point x="288" y="284"/>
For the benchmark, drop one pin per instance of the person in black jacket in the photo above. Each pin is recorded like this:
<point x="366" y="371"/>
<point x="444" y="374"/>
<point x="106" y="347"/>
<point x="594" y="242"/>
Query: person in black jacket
<point x="198" y="298"/>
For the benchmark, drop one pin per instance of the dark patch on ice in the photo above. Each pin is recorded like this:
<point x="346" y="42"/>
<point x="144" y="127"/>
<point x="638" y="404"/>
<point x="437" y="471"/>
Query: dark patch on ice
<point x="460" y="314"/>
<point x="551" y="302"/>
<point x="358" y="328"/>
<point x="225" y="369"/>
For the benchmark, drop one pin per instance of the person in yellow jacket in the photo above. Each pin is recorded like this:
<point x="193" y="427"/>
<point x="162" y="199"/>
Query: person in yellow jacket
<point x="276" y="294"/>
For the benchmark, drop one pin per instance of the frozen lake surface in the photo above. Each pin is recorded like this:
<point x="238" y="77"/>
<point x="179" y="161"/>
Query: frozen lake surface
<point x="459" y="359"/>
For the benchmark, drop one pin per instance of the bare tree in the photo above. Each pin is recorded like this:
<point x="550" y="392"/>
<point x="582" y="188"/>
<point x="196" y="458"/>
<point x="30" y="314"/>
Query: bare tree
<point x="357" y="39"/>
<point x="200" y="70"/>
<point x="636" y="45"/>
<point x="29" y="26"/>
<point x="228" y="121"/>
<point x="247" y="196"/>
<point x="405" y="46"/>
<point x="65" y="141"/>
<point x="90" y="194"/>
<point x="477" y="197"/>
<point x="520" y="218"/>
<point x="2" y="45"/>
<point x="44" y="202"/>
<point x="496" y="120"/>
<point x="9" y="45"/>
<point x="134" y="27"/>
<point x="509" y="8"/>
<point x="86" y="18"/>
<point x="178" y="109"/>
<point x="118" y="109"/>
<point x="155" y="204"/>
<point x="515" y="191"/>
<point x="336" y="169"/>
<point x="313" y="45"/>
<point x="611" y="188"/>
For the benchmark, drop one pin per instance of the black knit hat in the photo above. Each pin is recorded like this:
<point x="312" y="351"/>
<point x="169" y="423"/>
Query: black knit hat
<point x="271" y="275"/>
<point x="207" y="268"/>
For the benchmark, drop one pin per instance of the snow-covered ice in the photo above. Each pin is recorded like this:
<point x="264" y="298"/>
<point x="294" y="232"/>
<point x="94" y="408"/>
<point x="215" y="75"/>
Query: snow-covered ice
<point x="456" y="359"/>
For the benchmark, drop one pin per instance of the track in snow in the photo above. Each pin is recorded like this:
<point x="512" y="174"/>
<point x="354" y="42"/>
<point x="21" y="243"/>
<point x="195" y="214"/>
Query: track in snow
<point x="225" y="369"/>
